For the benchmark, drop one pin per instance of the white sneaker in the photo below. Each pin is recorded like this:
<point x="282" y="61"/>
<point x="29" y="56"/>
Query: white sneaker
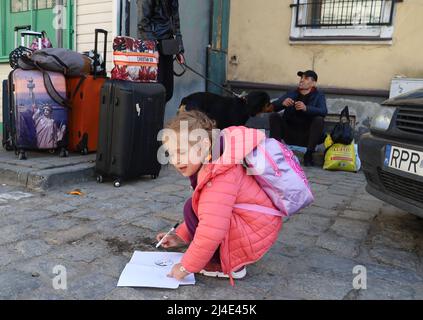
<point x="218" y="274"/>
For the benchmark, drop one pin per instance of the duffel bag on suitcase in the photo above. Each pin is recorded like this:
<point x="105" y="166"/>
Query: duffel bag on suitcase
<point x="68" y="62"/>
<point x="131" y="116"/>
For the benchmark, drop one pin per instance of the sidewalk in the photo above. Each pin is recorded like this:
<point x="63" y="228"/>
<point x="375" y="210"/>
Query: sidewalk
<point x="94" y="236"/>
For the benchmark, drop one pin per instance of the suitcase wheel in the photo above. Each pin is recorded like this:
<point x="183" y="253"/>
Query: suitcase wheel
<point x="99" y="179"/>
<point x="117" y="184"/>
<point x="22" y="155"/>
<point x="154" y="176"/>
<point x="63" y="153"/>
<point x="8" y="146"/>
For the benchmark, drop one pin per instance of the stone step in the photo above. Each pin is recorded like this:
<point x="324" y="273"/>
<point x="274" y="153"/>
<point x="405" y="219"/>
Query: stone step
<point x="43" y="170"/>
<point x="318" y="157"/>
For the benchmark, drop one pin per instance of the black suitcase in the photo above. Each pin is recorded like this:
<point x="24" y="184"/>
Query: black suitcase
<point x="131" y="116"/>
<point x="7" y="130"/>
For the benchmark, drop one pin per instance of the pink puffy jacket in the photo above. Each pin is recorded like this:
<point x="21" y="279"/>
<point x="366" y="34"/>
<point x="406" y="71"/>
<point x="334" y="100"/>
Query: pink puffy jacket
<point x="244" y="236"/>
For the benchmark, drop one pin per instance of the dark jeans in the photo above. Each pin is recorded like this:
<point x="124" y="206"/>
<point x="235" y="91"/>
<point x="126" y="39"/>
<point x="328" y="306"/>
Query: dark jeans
<point x="165" y="74"/>
<point x="308" y="134"/>
<point x="191" y="221"/>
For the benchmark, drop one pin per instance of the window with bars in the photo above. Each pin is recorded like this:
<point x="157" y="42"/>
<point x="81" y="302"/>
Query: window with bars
<point x="25" y="5"/>
<point x="369" y="18"/>
<point x="344" y="13"/>
<point x="47" y="4"/>
<point x="19" y="5"/>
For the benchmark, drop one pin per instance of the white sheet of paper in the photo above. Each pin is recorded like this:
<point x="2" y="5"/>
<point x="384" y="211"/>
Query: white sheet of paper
<point x="150" y="269"/>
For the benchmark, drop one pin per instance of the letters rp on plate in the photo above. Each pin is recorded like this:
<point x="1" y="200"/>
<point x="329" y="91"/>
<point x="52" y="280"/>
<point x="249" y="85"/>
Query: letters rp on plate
<point x="406" y="160"/>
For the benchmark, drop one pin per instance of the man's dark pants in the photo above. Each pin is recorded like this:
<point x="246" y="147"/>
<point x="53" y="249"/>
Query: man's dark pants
<point x="307" y="134"/>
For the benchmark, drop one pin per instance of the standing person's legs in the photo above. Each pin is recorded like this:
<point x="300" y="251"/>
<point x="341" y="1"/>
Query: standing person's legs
<point x="165" y="74"/>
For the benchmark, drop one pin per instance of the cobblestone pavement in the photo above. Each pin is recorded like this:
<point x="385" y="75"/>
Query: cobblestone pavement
<point x="95" y="234"/>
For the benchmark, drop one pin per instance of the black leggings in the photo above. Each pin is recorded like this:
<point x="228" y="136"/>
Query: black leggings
<point x="309" y="134"/>
<point x="165" y="74"/>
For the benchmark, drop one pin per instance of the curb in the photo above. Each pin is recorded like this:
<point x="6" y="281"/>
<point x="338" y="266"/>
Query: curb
<point x="46" y="179"/>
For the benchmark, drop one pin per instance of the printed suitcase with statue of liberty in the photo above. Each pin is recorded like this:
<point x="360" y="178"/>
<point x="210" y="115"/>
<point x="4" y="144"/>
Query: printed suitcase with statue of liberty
<point x="36" y="121"/>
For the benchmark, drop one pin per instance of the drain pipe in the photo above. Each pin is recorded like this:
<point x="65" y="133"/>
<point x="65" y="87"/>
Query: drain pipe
<point x="59" y="31"/>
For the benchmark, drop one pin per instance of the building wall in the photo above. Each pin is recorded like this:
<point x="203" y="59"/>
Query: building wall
<point x="259" y="38"/>
<point x="92" y="14"/>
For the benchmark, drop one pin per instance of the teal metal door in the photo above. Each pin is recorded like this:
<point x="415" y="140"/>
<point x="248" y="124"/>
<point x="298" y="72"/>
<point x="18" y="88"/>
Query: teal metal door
<point x="40" y="14"/>
<point x="218" y="48"/>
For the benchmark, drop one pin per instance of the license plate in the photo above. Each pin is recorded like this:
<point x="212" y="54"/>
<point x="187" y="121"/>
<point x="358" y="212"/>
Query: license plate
<point x="406" y="160"/>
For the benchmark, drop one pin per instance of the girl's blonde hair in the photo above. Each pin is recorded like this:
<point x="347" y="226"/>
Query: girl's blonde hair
<point x="195" y="120"/>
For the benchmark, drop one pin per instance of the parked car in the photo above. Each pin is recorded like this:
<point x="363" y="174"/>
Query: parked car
<point x="392" y="153"/>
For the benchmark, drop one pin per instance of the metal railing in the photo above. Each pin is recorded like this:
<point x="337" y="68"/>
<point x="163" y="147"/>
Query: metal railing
<point x="343" y="13"/>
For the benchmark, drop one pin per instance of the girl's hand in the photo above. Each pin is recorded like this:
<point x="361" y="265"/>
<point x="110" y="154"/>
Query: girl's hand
<point x="171" y="241"/>
<point x="177" y="273"/>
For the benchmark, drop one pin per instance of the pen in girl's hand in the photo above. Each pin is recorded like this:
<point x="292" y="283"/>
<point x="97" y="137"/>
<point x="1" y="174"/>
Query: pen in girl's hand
<point x="161" y="241"/>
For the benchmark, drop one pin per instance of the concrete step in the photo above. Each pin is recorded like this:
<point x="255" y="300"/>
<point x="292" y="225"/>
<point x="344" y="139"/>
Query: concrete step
<point x="43" y="170"/>
<point x="318" y="158"/>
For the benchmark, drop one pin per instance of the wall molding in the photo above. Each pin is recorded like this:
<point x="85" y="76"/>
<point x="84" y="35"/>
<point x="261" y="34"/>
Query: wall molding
<point x="246" y="85"/>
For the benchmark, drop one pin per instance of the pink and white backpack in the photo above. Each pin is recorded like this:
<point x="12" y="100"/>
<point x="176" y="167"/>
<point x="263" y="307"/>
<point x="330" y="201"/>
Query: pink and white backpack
<point x="278" y="171"/>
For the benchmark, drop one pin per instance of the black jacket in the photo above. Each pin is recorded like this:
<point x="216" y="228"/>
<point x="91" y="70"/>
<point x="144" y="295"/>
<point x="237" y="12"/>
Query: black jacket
<point x="315" y="102"/>
<point x="159" y="20"/>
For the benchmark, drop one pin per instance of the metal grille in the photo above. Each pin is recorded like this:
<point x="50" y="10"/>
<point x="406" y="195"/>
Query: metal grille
<point x="404" y="187"/>
<point x="47" y="4"/>
<point x="410" y="119"/>
<point x="19" y="6"/>
<point x="343" y="13"/>
<point x="25" y="5"/>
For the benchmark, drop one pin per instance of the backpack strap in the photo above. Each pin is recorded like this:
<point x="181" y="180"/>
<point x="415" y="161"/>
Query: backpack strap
<point x="78" y="86"/>
<point x="258" y="208"/>
<point x="51" y="90"/>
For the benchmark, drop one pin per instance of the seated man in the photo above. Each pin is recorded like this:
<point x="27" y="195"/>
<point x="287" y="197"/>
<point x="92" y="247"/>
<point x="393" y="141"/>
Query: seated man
<point x="302" y="123"/>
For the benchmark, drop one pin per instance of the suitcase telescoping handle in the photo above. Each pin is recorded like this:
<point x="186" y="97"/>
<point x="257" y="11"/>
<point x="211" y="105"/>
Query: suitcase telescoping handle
<point x="19" y="28"/>
<point x="96" y="61"/>
<point x="39" y="35"/>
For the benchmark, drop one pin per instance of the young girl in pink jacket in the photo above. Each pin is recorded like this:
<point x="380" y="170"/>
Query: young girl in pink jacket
<point x="222" y="239"/>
